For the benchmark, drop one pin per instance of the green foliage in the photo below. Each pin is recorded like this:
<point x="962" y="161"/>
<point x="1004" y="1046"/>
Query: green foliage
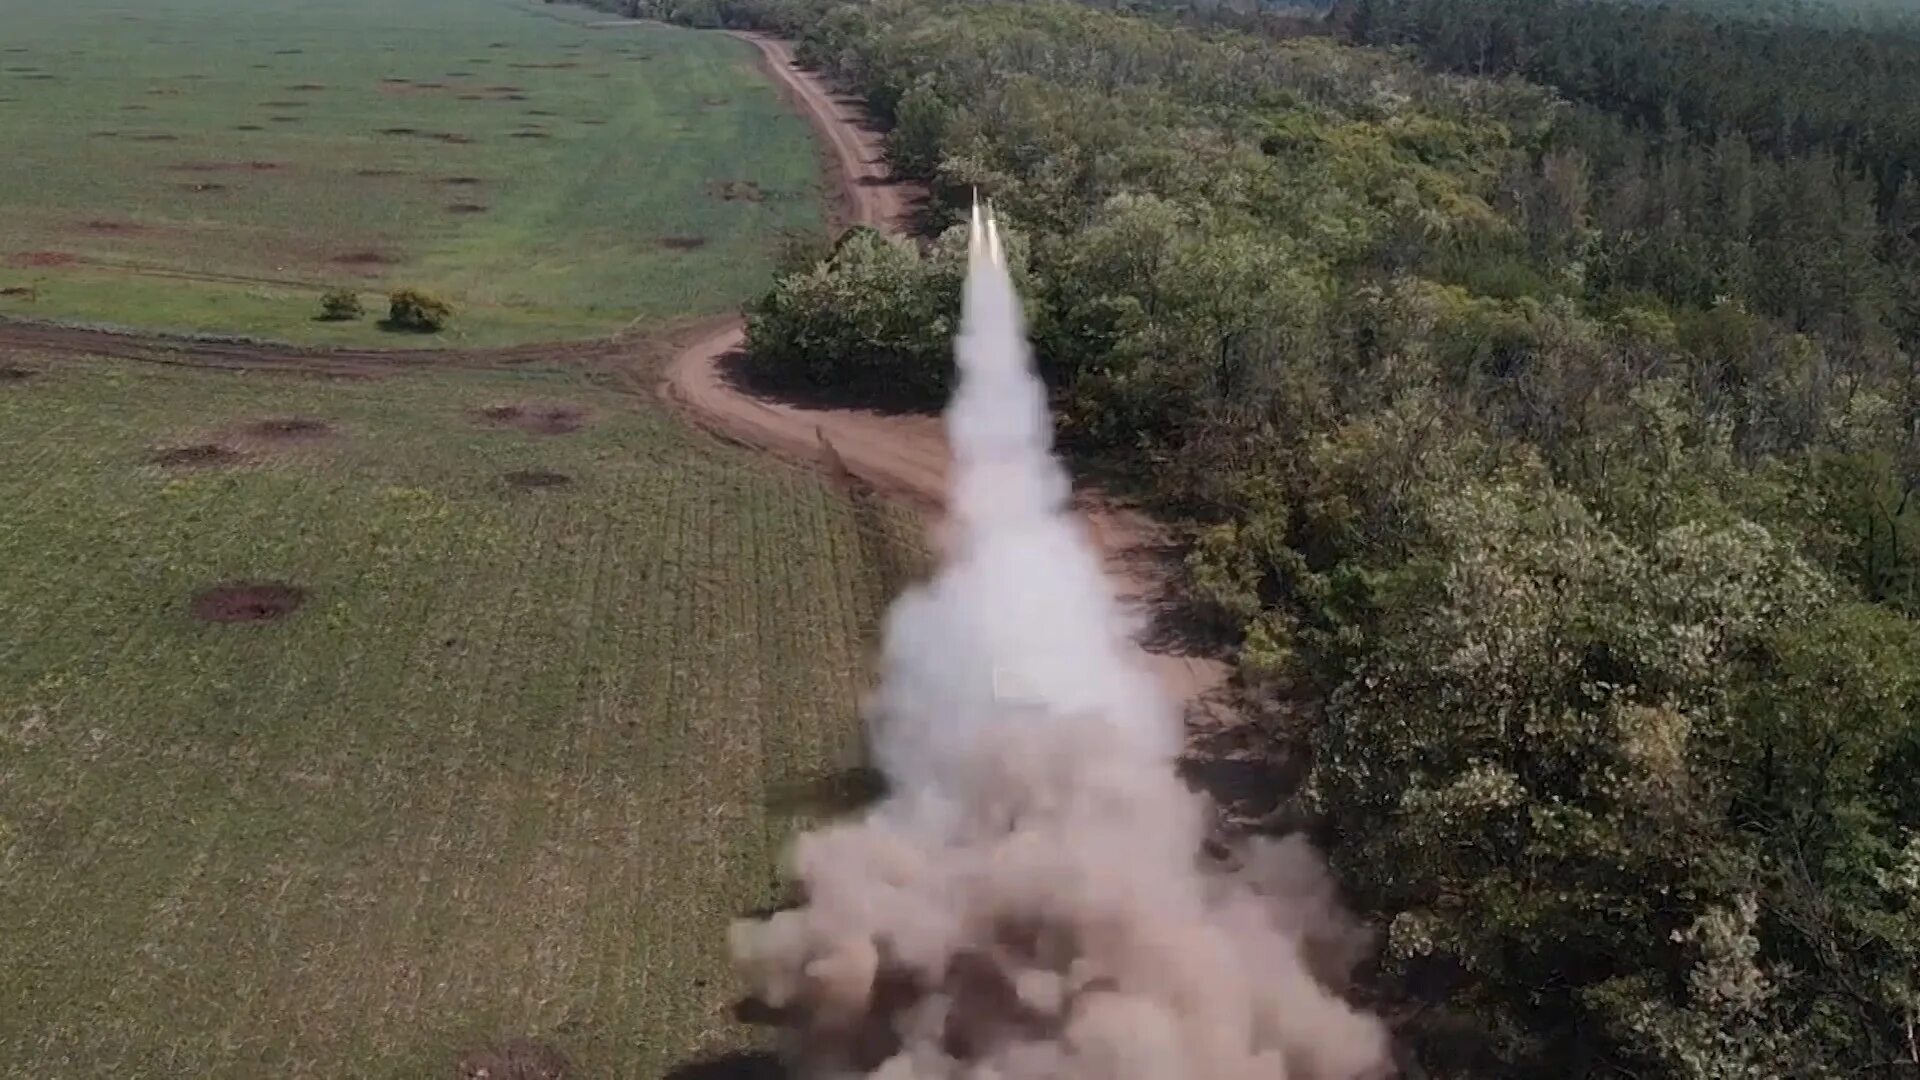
<point x="341" y="305"/>
<point x="417" y="311"/>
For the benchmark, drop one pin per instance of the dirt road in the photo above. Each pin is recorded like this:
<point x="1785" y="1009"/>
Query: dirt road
<point x="905" y="456"/>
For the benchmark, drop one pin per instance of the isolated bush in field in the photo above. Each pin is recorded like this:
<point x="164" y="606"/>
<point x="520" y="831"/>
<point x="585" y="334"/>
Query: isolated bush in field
<point x="421" y="312"/>
<point x="341" y="305"/>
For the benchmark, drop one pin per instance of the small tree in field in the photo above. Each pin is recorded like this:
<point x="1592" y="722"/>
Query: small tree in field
<point x="341" y="305"/>
<point x="420" y="312"/>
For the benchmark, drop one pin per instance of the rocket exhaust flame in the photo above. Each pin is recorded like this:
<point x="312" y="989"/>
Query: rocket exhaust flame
<point x="1030" y="902"/>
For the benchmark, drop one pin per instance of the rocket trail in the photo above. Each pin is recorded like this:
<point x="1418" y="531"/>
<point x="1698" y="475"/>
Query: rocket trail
<point x="1029" y="901"/>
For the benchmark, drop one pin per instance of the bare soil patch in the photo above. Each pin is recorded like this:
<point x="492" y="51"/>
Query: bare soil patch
<point x="10" y="373"/>
<point x="288" y="52"/>
<point x="715" y="102"/>
<point x="288" y="429"/>
<point x="196" y="455"/>
<point x="245" y="602"/>
<point x="537" y="419"/>
<point x="377" y="173"/>
<point x="514" y="1059"/>
<point x="683" y="242"/>
<point x="38" y="77"/>
<point x="248" y="127"/>
<point x="453" y="137"/>
<point x="593" y="122"/>
<point x="473" y="97"/>
<point x="541" y="112"/>
<point x="104" y="134"/>
<point x="511" y="97"/>
<point x="466" y="208"/>
<point x="42" y="259"/>
<point x="505" y="89"/>
<point x="459" y="74"/>
<point x="283" y="119"/>
<point x="203" y="187"/>
<point x="461" y="181"/>
<point x="27" y="291"/>
<point x="364" y="258"/>
<point x="533" y="479"/>
<point x="307" y="87"/>
<point x="400" y="131"/>
<point x="736" y="191"/>
<point x="225" y="166"/>
<point x="285" y="104"/>
<point x="531" y="135"/>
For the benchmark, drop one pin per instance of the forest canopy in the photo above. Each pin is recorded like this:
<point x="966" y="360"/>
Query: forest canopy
<point x="1536" y="381"/>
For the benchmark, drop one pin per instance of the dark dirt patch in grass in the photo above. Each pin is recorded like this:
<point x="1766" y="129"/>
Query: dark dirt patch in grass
<point x="163" y="91"/>
<point x="452" y="137"/>
<point x="103" y="134"/>
<point x="466" y="208"/>
<point x="11" y="374"/>
<point x="512" y="97"/>
<point x="288" y="52"/>
<point x="459" y="74"/>
<point x="364" y="258"/>
<point x="289" y="429"/>
<point x="39" y="77"/>
<point x="535" y="479"/>
<point x="196" y="456"/>
<point x="155" y="136"/>
<point x="39" y="259"/>
<point x="461" y="181"/>
<point x="284" y="104"/>
<point x="248" y="127"/>
<point x="226" y="166"/>
<point x="307" y="87"/>
<point x="715" y="102"/>
<point x="261" y="67"/>
<point x="554" y="65"/>
<point x="17" y="291"/>
<point x="541" y="112"/>
<point x="504" y="89"/>
<point x="537" y="419"/>
<point x="744" y="1065"/>
<point x="136" y="107"/>
<point x="531" y="135"/>
<point x="473" y="97"/>
<point x="379" y="172"/>
<point x="683" y="242"/>
<point x="245" y="602"/>
<point x="593" y="122"/>
<point x="736" y="191"/>
<point x="203" y="187"/>
<point x="113" y="226"/>
<point x="401" y="131"/>
<point x="514" y="1059"/>
<point x="283" y="119"/>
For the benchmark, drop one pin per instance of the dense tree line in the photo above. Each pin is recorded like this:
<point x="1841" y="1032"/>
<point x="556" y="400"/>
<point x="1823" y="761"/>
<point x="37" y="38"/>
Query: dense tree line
<point x="1565" y="460"/>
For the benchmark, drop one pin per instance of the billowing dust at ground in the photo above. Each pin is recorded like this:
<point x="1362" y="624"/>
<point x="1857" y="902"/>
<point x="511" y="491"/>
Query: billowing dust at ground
<point x="1031" y="900"/>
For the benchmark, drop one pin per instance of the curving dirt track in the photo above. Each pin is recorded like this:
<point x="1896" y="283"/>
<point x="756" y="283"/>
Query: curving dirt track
<point x="905" y="456"/>
<point x="902" y="456"/>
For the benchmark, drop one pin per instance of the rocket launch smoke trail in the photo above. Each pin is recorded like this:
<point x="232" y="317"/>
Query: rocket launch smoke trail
<point x="1029" y="901"/>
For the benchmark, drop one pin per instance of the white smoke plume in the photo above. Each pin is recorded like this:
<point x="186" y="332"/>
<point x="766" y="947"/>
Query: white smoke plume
<point x="1030" y="902"/>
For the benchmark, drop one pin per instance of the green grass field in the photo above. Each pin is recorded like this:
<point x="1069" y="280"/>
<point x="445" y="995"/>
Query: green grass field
<point x="214" y="165"/>
<point x="508" y="771"/>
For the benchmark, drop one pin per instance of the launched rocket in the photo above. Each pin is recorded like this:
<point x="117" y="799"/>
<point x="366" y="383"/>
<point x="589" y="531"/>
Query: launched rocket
<point x="983" y="235"/>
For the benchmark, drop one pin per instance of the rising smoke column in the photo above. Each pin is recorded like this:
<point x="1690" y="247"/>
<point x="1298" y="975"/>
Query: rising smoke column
<point x="1029" y="901"/>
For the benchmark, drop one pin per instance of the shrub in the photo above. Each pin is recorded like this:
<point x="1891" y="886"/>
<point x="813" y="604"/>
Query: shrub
<point x="420" y="312"/>
<point x="341" y="305"/>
